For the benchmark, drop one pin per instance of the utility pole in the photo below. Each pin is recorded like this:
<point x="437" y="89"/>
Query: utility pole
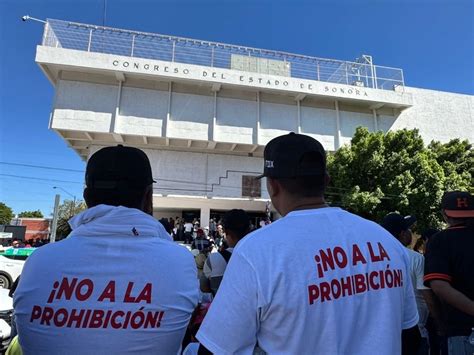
<point x="105" y="13"/>
<point x="72" y="210"/>
<point x="55" y="219"/>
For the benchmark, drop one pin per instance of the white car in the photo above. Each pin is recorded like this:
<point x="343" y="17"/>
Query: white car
<point x="6" y="313"/>
<point x="11" y="265"/>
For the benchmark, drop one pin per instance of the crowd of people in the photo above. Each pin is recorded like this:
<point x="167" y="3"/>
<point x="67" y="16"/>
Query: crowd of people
<point x="186" y="230"/>
<point x="204" y="241"/>
<point x="29" y="243"/>
<point x="319" y="280"/>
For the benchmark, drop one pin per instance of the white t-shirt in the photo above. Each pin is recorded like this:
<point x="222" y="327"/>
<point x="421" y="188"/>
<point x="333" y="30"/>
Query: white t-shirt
<point x="116" y="285"/>
<point x="188" y="227"/>
<point x="214" y="269"/>
<point x="320" y="281"/>
<point x="417" y="266"/>
<point x="217" y="264"/>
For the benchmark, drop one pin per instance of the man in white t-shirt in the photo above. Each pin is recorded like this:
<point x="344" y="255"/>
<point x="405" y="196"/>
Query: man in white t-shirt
<point x="237" y="225"/>
<point x="117" y="284"/>
<point x="188" y="232"/>
<point x="341" y="287"/>
<point x="400" y="227"/>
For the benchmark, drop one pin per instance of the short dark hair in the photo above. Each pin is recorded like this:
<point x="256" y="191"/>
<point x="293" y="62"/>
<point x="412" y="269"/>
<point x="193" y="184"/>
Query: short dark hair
<point x="166" y="224"/>
<point x="237" y="221"/>
<point x="306" y="186"/>
<point x="131" y="198"/>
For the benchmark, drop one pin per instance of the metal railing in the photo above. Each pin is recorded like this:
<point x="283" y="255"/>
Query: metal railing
<point x="91" y="38"/>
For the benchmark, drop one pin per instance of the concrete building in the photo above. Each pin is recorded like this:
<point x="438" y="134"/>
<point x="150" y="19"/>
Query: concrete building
<point x="36" y="228"/>
<point x="204" y="111"/>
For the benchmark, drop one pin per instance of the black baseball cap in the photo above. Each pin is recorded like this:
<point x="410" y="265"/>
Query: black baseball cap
<point x="395" y="223"/>
<point x="117" y="168"/>
<point x="458" y="204"/>
<point x="283" y="157"/>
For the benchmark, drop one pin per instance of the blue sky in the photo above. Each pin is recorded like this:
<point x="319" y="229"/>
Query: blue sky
<point x="432" y="41"/>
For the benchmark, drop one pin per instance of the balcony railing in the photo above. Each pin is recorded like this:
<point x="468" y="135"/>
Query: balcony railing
<point x="91" y="38"/>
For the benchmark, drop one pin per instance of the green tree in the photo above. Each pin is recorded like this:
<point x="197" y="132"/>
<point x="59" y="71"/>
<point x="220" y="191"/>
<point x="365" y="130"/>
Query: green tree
<point x="381" y="172"/>
<point x="457" y="160"/>
<point x="66" y="211"/>
<point x="30" y="214"/>
<point x="6" y="214"/>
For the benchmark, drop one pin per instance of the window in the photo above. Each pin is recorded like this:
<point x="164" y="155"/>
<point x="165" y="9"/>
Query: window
<point x="16" y="257"/>
<point x="251" y="187"/>
<point x="21" y="257"/>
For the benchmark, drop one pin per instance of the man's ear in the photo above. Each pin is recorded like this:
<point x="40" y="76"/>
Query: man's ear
<point x="148" y="201"/>
<point x="273" y="187"/>
<point x="85" y="194"/>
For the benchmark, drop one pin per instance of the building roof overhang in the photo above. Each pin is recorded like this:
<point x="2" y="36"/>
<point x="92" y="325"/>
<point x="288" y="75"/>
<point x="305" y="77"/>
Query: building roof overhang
<point x="54" y="60"/>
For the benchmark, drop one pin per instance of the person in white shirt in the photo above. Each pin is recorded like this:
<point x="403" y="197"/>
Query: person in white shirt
<point x="188" y="232"/>
<point x="341" y="287"/>
<point x="117" y="284"/>
<point x="400" y="227"/>
<point x="236" y="225"/>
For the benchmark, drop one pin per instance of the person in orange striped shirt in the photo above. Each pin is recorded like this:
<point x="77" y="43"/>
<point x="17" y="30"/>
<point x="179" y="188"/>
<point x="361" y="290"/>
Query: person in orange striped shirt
<point x="449" y="269"/>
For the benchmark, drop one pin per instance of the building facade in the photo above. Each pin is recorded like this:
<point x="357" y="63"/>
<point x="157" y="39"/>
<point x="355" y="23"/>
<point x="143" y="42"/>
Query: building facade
<point x="203" y="111"/>
<point x="36" y="228"/>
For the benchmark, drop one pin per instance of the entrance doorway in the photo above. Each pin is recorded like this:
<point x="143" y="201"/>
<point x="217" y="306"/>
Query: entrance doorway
<point x="191" y="215"/>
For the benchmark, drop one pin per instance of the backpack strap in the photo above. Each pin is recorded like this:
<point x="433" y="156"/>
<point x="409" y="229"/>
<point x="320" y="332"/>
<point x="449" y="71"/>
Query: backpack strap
<point x="226" y="255"/>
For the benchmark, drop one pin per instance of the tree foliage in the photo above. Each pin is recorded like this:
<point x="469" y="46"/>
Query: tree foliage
<point x="381" y="172"/>
<point x="30" y="214"/>
<point x="457" y="159"/>
<point x="6" y="214"/>
<point x="66" y="211"/>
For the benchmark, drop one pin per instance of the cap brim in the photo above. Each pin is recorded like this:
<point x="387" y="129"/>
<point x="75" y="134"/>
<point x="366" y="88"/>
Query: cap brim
<point x="459" y="213"/>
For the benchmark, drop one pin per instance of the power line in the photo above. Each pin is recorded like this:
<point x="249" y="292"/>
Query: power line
<point x="42" y="167"/>
<point x="218" y="184"/>
<point x="30" y="200"/>
<point x="36" y="178"/>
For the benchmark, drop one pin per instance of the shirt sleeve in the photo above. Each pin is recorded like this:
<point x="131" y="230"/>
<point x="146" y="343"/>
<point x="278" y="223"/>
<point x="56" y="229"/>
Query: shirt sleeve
<point x="410" y="310"/>
<point x="437" y="261"/>
<point x="234" y="311"/>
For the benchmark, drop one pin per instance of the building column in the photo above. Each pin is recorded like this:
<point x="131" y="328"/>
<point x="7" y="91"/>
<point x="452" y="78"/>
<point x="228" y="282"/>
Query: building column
<point x="214" y="120"/>
<point x="205" y="216"/>
<point x="116" y="113"/>
<point x="376" y="124"/>
<point x="298" y="104"/>
<point x="257" y="123"/>
<point x="168" y="114"/>
<point x="337" y="136"/>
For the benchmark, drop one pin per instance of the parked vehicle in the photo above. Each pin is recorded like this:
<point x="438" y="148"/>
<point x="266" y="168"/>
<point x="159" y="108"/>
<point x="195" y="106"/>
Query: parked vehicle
<point x="11" y="264"/>
<point x="6" y="313"/>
